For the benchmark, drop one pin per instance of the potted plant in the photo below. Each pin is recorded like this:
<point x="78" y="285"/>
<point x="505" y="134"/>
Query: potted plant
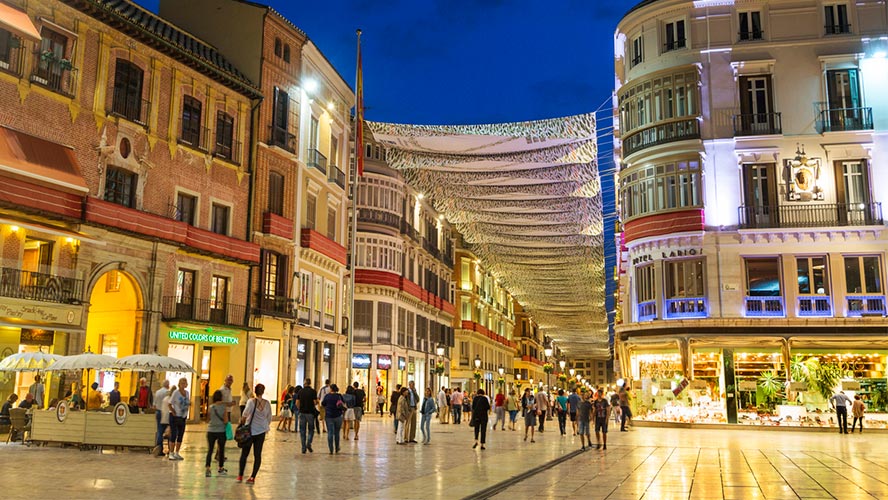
<point x="439" y="368"/>
<point x="770" y="386"/>
<point x="548" y="368"/>
<point x="477" y="375"/>
<point x="562" y="378"/>
<point x="501" y="382"/>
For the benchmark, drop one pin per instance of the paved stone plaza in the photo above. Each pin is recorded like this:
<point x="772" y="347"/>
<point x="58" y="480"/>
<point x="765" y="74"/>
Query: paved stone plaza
<point x="649" y="463"/>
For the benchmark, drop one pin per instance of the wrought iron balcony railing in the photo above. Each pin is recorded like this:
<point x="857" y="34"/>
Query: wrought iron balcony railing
<point x="664" y="133"/>
<point x="132" y="108"/>
<point x="757" y="124"/>
<point x="207" y="311"/>
<point x="317" y="161"/>
<point x="764" y="307"/>
<point x="845" y="119"/>
<point x="277" y="306"/>
<point x="19" y="284"/>
<point x="336" y="176"/>
<point x="812" y="214"/>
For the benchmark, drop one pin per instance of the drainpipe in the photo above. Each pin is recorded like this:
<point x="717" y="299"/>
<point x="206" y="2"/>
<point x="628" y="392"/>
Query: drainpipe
<point x="151" y="309"/>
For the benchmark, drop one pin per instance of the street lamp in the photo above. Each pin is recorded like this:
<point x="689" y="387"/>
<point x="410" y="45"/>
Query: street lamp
<point x="501" y="370"/>
<point x="548" y="351"/>
<point x="439" y="351"/>
<point x="572" y="372"/>
<point x="478" y="367"/>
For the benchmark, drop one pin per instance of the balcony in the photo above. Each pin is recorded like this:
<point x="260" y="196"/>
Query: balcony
<point x="664" y="133"/>
<point x="381" y="217"/>
<point x="746" y="36"/>
<point x="228" y="151"/>
<point x="764" y="307"/>
<point x="865" y="305"/>
<point x="317" y="161"/>
<point x="277" y="306"/>
<point x="20" y="284"/>
<point x="313" y="240"/>
<point x="674" y="45"/>
<point x="814" y="306"/>
<point x="129" y="107"/>
<point x="757" y="124"/>
<point x="409" y="231"/>
<point x="686" y="307"/>
<point x="635" y="61"/>
<point x="281" y="138"/>
<point x="812" y="214"/>
<point x="336" y="176"/>
<point x="277" y="225"/>
<point x="11" y="62"/>
<point x="647" y="310"/>
<point x="845" y="119"/>
<point x="54" y="74"/>
<point x="836" y="29"/>
<point x="329" y="322"/>
<point x="208" y="311"/>
<point x="194" y="135"/>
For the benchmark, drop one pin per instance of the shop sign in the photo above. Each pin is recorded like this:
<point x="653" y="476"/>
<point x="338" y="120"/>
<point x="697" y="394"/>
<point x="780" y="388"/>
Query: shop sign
<point x="746" y="385"/>
<point x="36" y="337"/>
<point x="383" y="361"/>
<point x="361" y="361"/>
<point x="798" y="386"/>
<point x="680" y="386"/>
<point x="40" y="313"/>
<point x="206" y="338"/>
<point x="121" y="411"/>
<point x="850" y="385"/>
<point x="402" y="363"/>
<point x="411" y="367"/>
<point x="667" y="254"/>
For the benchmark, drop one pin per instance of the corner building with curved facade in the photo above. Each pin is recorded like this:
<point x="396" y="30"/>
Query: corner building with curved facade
<point x="751" y="139"/>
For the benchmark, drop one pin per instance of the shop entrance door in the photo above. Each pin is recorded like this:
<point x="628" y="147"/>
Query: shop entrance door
<point x="206" y="359"/>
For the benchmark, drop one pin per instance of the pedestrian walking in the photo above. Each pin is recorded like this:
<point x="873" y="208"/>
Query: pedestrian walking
<point x="584" y="415"/>
<point x="456" y="401"/>
<point x="625" y="411"/>
<point x="413" y="401"/>
<point x="161" y="411"/>
<point x="402" y="411"/>
<point x="857" y="409"/>
<point x="360" y="401"/>
<point x="499" y="410"/>
<point x="442" y="405"/>
<point x="393" y="405"/>
<point x="480" y="413"/>
<point x="218" y="413"/>
<point x="246" y="395"/>
<point x="180" y="402"/>
<point x="322" y="416"/>
<point x="428" y="408"/>
<point x="573" y="401"/>
<point x="306" y="403"/>
<point x="380" y="404"/>
<point x="561" y="411"/>
<point x="257" y="414"/>
<point x="841" y="402"/>
<point x="531" y="411"/>
<point x="512" y="405"/>
<point x="615" y="407"/>
<point x="284" y="412"/>
<point x="334" y="406"/>
<point x="602" y="412"/>
<point x="542" y="399"/>
<point x="348" y="418"/>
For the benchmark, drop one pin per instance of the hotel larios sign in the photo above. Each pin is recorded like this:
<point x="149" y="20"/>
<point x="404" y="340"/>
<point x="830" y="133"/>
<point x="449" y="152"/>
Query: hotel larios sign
<point x="667" y="254"/>
<point x="26" y="311"/>
<point x="204" y="338"/>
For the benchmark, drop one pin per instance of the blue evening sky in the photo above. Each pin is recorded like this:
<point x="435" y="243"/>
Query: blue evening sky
<point x="467" y="61"/>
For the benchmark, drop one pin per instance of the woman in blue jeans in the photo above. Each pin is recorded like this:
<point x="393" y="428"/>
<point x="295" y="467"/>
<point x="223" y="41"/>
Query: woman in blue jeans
<point x="334" y="406"/>
<point x="429" y="407"/>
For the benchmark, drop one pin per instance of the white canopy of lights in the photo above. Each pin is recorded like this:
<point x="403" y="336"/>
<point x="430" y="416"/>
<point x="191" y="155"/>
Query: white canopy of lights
<point x="526" y="196"/>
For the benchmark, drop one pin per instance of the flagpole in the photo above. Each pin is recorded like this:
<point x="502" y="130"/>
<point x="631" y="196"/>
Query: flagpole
<point x="353" y="236"/>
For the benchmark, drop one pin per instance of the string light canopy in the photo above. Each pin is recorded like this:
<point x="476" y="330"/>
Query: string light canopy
<point x="526" y="198"/>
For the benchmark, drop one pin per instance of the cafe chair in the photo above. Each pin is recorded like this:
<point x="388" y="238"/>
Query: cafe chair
<point x="18" y="424"/>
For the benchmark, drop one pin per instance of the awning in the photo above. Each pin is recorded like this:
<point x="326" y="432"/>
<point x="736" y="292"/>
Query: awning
<point x="53" y="230"/>
<point x="35" y="159"/>
<point x="18" y="22"/>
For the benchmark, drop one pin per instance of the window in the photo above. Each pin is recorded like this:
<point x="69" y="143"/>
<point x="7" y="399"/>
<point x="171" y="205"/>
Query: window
<point x="646" y="292"/>
<point x="305" y="290"/>
<point x="120" y="186"/>
<point x="219" y="292"/>
<point x="280" y="135"/>
<point x="661" y="187"/>
<point x="383" y="322"/>
<point x="843" y="89"/>
<point x="184" y="286"/>
<point x="311" y="206"/>
<point x="334" y="150"/>
<point x="636" y="54"/>
<point x="274" y="274"/>
<point x="225" y="136"/>
<point x="763" y="277"/>
<point x="53" y="68"/>
<point x="836" y="19"/>
<point x="812" y="276"/>
<point x="750" y="24"/>
<point x="37" y="258"/>
<point x="863" y="274"/>
<point x="190" y="133"/>
<point x="286" y="53"/>
<point x="331" y="224"/>
<point x="221" y="217"/>
<point x="318" y="300"/>
<point x="186" y="208"/>
<point x="329" y="304"/>
<point x="10" y="50"/>
<point x="760" y="195"/>
<point x="313" y="133"/>
<point x="127" y="96"/>
<point x="663" y="98"/>
<point x="363" y="328"/>
<point x="276" y="193"/>
<point x="684" y="278"/>
<point x="277" y="47"/>
<point x="675" y="36"/>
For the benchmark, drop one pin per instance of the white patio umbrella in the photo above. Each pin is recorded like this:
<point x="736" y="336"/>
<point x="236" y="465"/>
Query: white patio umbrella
<point x="152" y="363"/>
<point x="86" y="361"/>
<point x="28" y="362"/>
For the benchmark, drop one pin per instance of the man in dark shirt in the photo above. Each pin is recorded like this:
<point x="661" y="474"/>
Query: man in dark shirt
<point x="393" y="405"/>
<point x="572" y="401"/>
<point x="584" y="414"/>
<point x="602" y="412"/>
<point x="306" y="402"/>
<point x="360" y="397"/>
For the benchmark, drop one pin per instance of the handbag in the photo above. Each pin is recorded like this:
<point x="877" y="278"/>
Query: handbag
<point x="242" y="435"/>
<point x="229" y="431"/>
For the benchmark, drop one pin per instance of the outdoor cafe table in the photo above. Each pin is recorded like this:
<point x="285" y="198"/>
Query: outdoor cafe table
<point x="94" y="428"/>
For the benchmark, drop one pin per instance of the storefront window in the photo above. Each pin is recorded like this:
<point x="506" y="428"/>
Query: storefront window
<point x="265" y="366"/>
<point x="645" y="292"/>
<point x="812" y="276"/>
<point x="763" y="277"/>
<point x="863" y="274"/>
<point x="685" y="288"/>
<point x="301" y="348"/>
<point x="759" y="378"/>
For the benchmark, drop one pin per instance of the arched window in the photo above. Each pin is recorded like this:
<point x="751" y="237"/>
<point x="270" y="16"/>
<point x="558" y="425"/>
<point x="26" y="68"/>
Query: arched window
<point x="286" y="53"/>
<point x="277" y="47"/>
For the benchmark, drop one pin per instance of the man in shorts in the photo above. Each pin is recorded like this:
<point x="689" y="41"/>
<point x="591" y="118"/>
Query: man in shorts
<point x="602" y="412"/>
<point x="583" y="415"/>
<point x="572" y="402"/>
<point x="360" y="397"/>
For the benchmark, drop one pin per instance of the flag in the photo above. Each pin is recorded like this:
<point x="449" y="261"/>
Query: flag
<point x="359" y="114"/>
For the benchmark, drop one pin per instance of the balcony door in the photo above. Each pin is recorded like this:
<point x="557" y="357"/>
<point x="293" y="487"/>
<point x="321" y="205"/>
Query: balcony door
<point x="185" y="294"/>
<point x="843" y="99"/>
<point x="756" y="104"/>
<point x="853" y="193"/>
<point x="760" y="193"/>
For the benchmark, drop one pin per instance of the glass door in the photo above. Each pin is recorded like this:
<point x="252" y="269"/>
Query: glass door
<point x="760" y="191"/>
<point x="852" y="192"/>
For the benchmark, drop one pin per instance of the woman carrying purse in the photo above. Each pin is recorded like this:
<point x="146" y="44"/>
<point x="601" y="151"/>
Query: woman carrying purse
<point x="216" y="433"/>
<point x="257" y="415"/>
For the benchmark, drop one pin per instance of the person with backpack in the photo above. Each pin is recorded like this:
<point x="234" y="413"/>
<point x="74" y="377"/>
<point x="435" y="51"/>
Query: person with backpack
<point x="334" y="406"/>
<point x="257" y="415"/>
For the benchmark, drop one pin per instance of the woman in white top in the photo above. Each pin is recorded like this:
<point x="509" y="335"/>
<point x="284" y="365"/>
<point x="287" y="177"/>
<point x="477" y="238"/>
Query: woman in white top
<point x="180" y="402"/>
<point x="258" y="415"/>
<point x="246" y="395"/>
